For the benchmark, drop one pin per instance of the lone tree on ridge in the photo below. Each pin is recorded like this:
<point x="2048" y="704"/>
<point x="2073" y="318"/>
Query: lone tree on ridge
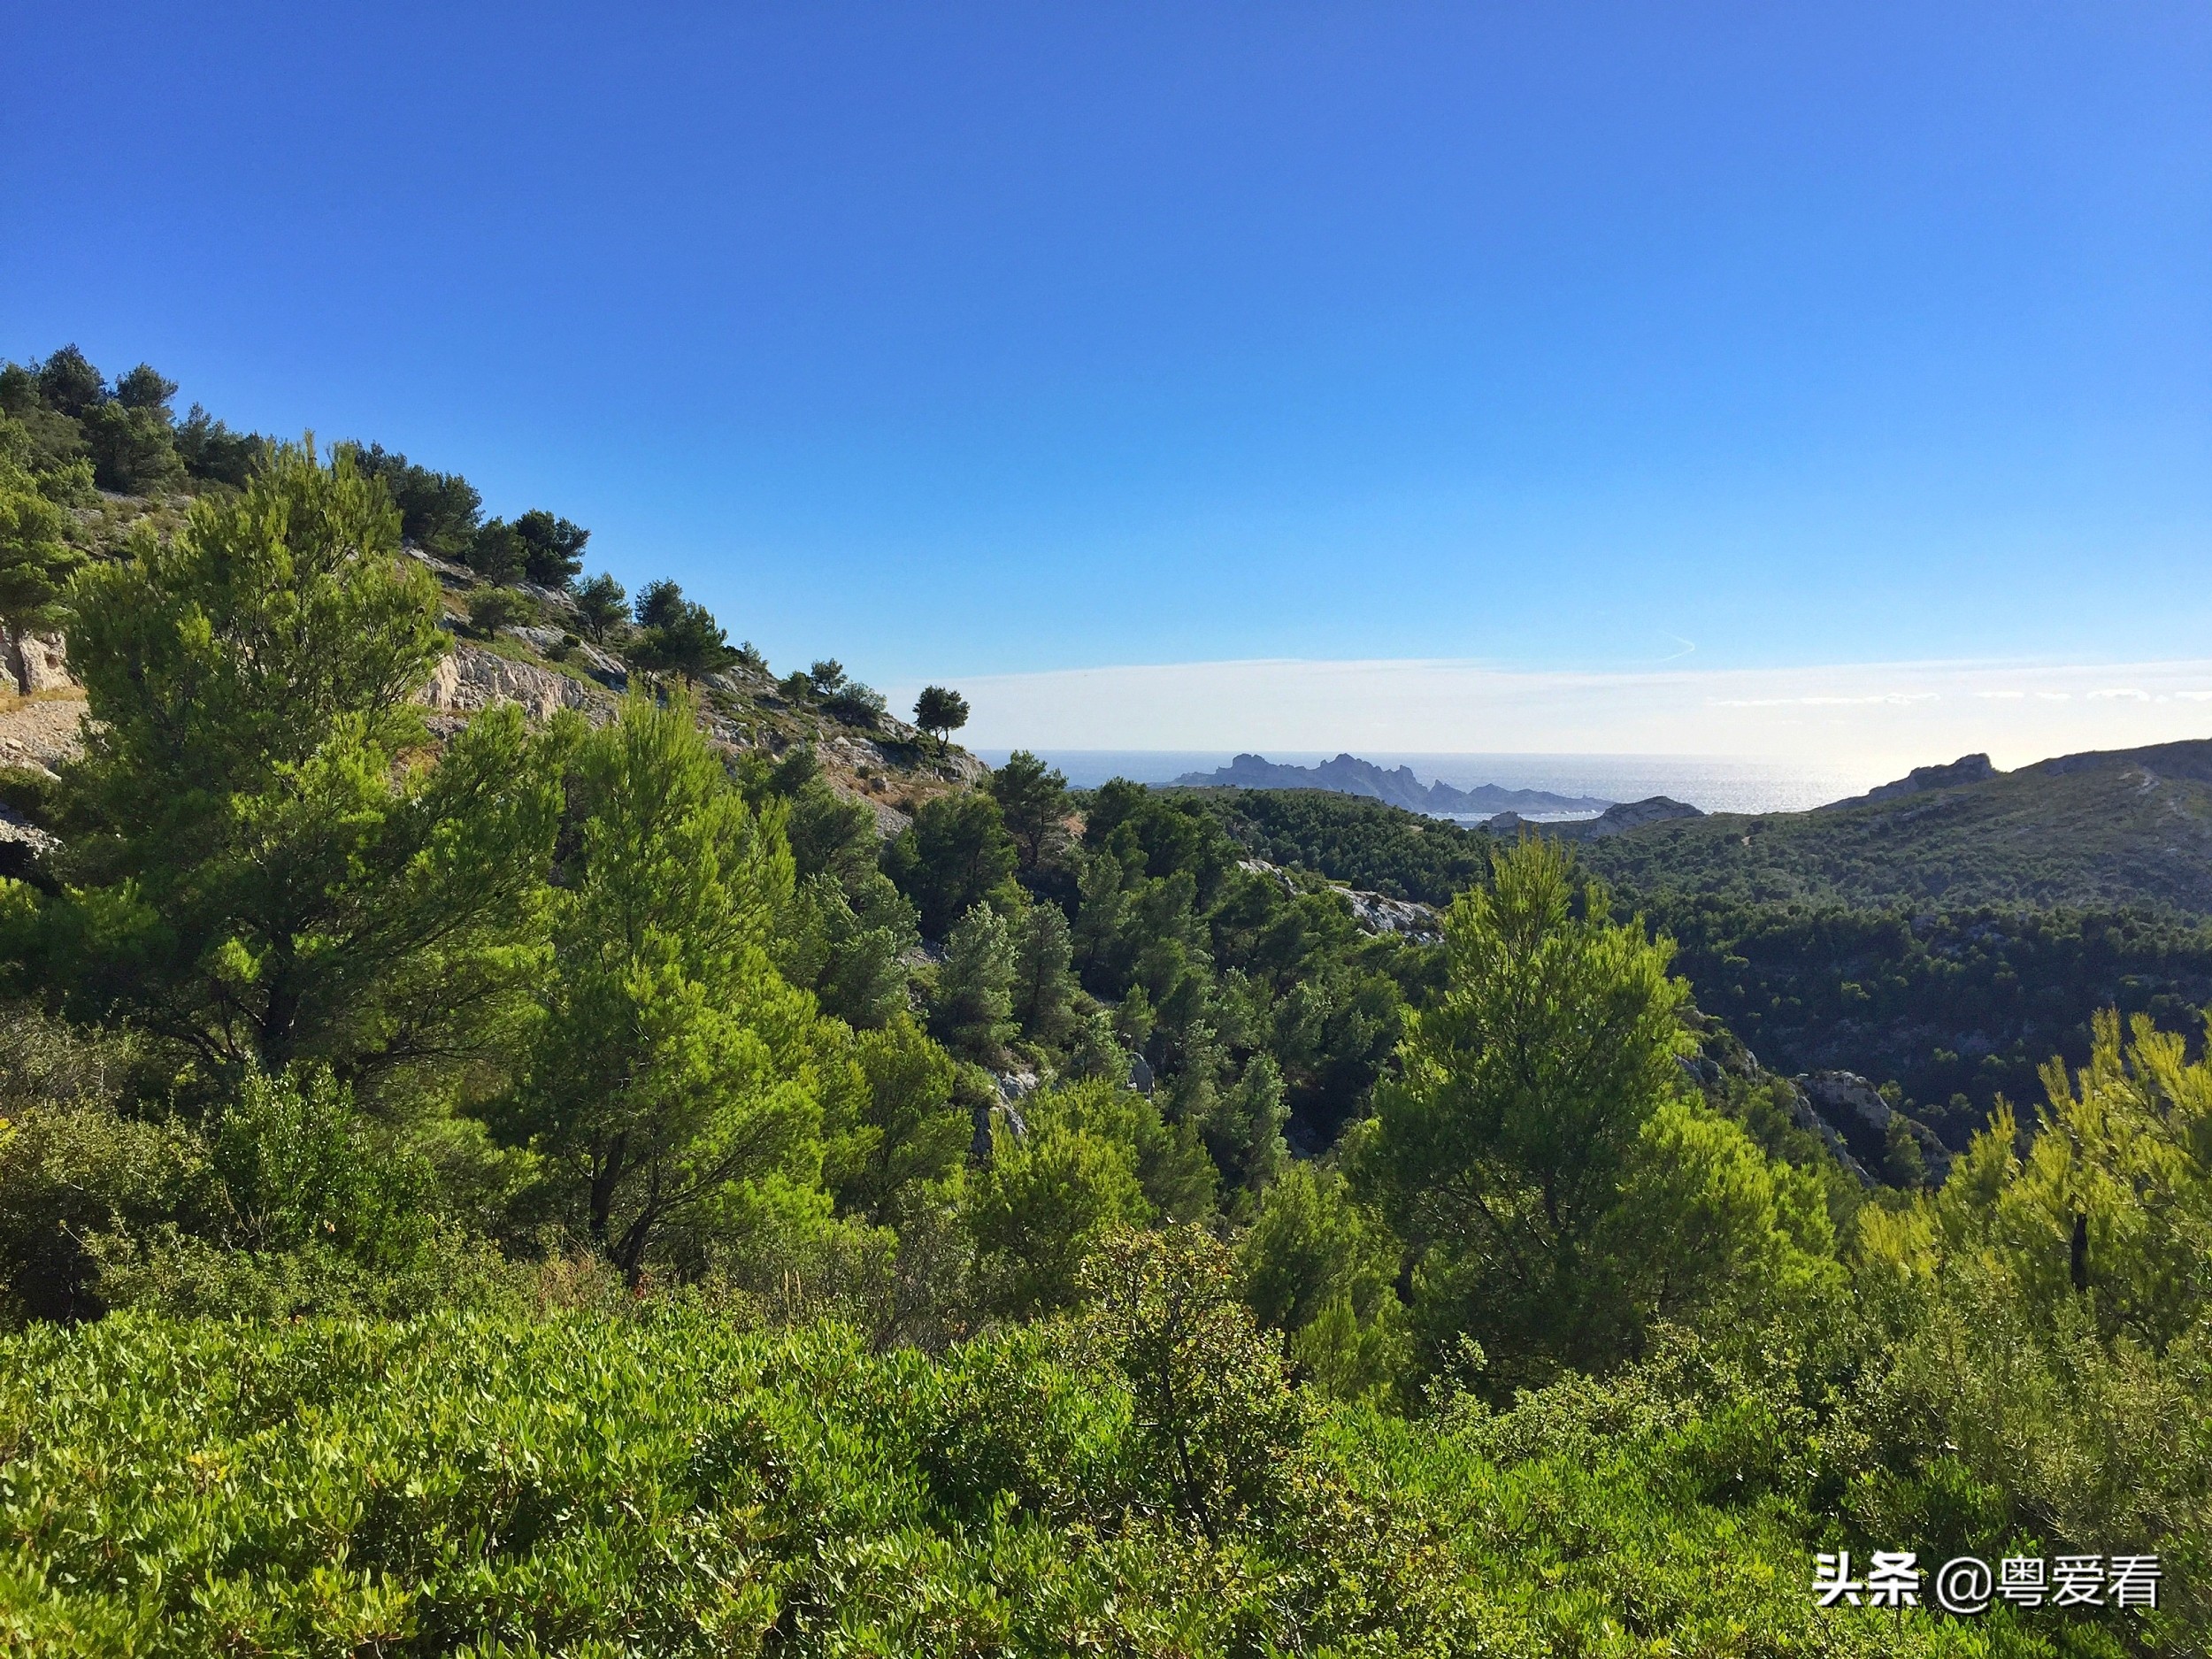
<point x="941" y="710"/>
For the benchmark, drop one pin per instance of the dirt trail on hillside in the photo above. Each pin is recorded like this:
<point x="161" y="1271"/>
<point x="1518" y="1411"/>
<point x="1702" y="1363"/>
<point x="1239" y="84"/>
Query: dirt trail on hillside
<point x="43" y="731"/>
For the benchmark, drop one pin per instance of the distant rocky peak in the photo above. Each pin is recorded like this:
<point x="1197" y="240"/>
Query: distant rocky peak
<point x="1966" y="769"/>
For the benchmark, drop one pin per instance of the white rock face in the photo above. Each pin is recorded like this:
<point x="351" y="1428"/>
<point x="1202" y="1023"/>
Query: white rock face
<point x="36" y="662"/>
<point x="469" y="679"/>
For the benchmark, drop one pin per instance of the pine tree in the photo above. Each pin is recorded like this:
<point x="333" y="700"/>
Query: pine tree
<point x="269" y="867"/>
<point x="671" y="1084"/>
<point x="1540" y="1150"/>
<point x="36" y="560"/>
<point x="1044" y="986"/>
<point x="971" y="1013"/>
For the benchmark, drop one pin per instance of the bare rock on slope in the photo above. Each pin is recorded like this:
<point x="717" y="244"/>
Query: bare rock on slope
<point x="469" y="679"/>
<point x="42" y="732"/>
<point x="35" y="662"/>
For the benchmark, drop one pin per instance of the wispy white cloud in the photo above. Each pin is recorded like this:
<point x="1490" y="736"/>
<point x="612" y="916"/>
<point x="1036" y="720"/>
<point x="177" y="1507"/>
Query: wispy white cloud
<point x="1872" y="715"/>
<point x="1898" y="699"/>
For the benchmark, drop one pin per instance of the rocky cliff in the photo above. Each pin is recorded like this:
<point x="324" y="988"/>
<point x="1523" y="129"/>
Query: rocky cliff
<point x="1347" y="774"/>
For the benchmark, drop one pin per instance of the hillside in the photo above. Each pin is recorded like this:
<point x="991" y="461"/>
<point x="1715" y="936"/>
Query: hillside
<point x="2120" y="827"/>
<point x="1956" y="1000"/>
<point x="87" y="465"/>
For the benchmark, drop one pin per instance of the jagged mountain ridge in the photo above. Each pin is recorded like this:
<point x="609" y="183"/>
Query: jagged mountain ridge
<point x="1347" y="774"/>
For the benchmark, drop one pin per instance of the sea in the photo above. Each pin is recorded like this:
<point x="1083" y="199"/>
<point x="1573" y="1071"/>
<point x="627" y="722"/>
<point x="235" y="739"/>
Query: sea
<point x="1713" y="785"/>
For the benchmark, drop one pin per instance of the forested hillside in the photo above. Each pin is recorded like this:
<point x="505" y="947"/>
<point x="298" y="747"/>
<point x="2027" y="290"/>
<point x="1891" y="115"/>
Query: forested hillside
<point x="1954" y="1004"/>
<point x="491" y="1167"/>
<point x="2128" y="828"/>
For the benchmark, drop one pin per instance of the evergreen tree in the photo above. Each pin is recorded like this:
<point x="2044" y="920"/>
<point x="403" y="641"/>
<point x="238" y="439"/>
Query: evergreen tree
<point x="1322" y="1268"/>
<point x="1044" y="986"/>
<point x="670" y="1085"/>
<point x="1051" y="1191"/>
<point x="912" y="1135"/>
<point x="496" y="553"/>
<point x="69" y="385"/>
<point x="601" y="607"/>
<point x="439" y="511"/>
<point x="1244" y="1132"/>
<point x="144" y="387"/>
<point x="1539" y="1149"/>
<point x="659" y="604"/>
<point x="134" y="448"/>
<point x="263" y="866"/>
<point x="213" y="453"/>
<point x="1032" y="799"/>
<point x="849" y="947"/>
<point x="954" y="856"/>
<point x="940" y="712"/>
<point x="553" y="548"/>
<point x="971" y="1013"/>
<point x="36" y="560"/>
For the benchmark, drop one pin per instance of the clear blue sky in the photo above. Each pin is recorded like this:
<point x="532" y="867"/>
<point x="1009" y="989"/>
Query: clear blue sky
<point x="959" y="341"/>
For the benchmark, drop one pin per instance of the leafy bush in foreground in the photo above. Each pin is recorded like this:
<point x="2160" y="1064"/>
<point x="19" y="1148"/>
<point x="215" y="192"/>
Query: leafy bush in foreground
<point x="668" y="1484"/>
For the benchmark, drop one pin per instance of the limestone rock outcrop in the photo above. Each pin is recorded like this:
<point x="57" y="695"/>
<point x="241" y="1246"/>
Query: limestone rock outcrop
<point x="469" y="679"/>
<point x="35" y="662"/>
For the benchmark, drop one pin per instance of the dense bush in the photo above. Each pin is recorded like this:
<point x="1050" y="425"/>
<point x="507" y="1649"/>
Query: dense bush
<point x="673" y="1483"/>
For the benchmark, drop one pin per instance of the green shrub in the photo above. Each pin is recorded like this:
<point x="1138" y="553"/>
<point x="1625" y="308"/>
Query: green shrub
<point x="665" y="1484"/>
<point x="492" y="609"/>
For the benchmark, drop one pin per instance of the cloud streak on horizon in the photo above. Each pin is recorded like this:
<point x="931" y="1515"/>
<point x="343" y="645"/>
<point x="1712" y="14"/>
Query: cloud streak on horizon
<point x="1870" y="715"/>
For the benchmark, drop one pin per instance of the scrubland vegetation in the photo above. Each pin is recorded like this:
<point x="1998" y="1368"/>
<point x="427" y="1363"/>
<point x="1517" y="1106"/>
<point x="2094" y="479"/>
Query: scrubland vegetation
<point x="581" y="1188"/>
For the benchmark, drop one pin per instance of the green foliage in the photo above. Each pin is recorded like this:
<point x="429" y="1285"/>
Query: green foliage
<point x="941" y="710"/>
<point x="1322" y="1268"/>
<point x="263" y="869"/>
<point x="212" y="453"/>
<point x="36" y="559"/>
<point x="1043" y="986"/>
<point x="68" y="384"/>
<point x="1538" y="1152"/>
<point x="2059" y="1384"/>
<point x="971" y="1009"/>
<point x="134" y="450"/>
<point x="492" y="609"/>
<point x="497" y="1024"/>
<point x="669" y="1083"/>
<point x="439" y="511"/>
<point x="602" y="608"/>
<point x="956" y="856"/>
<point x="1033" y="801"/>
<point x="554" y="548"/>
<point x="1361" y="843"/>
<point x="283" y="1199"/>
<point x="1243" y="1125"/>
<point x="1065" y="1170"/>
<point x="1212" y="964"/>
<point x="678" y="635"/>
<point x="496" y="553"/>
<point x="1210" y="1404"/>
<point x="910" y="1137"/>
<point x="675" y="1484"/>
<point x="1964" y="1004"/>
<point x="851" y="947"/>
<point x="2125" y="830"/>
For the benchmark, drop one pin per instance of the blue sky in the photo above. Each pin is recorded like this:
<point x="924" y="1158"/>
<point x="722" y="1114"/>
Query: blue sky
<point x="992" y="344"/>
